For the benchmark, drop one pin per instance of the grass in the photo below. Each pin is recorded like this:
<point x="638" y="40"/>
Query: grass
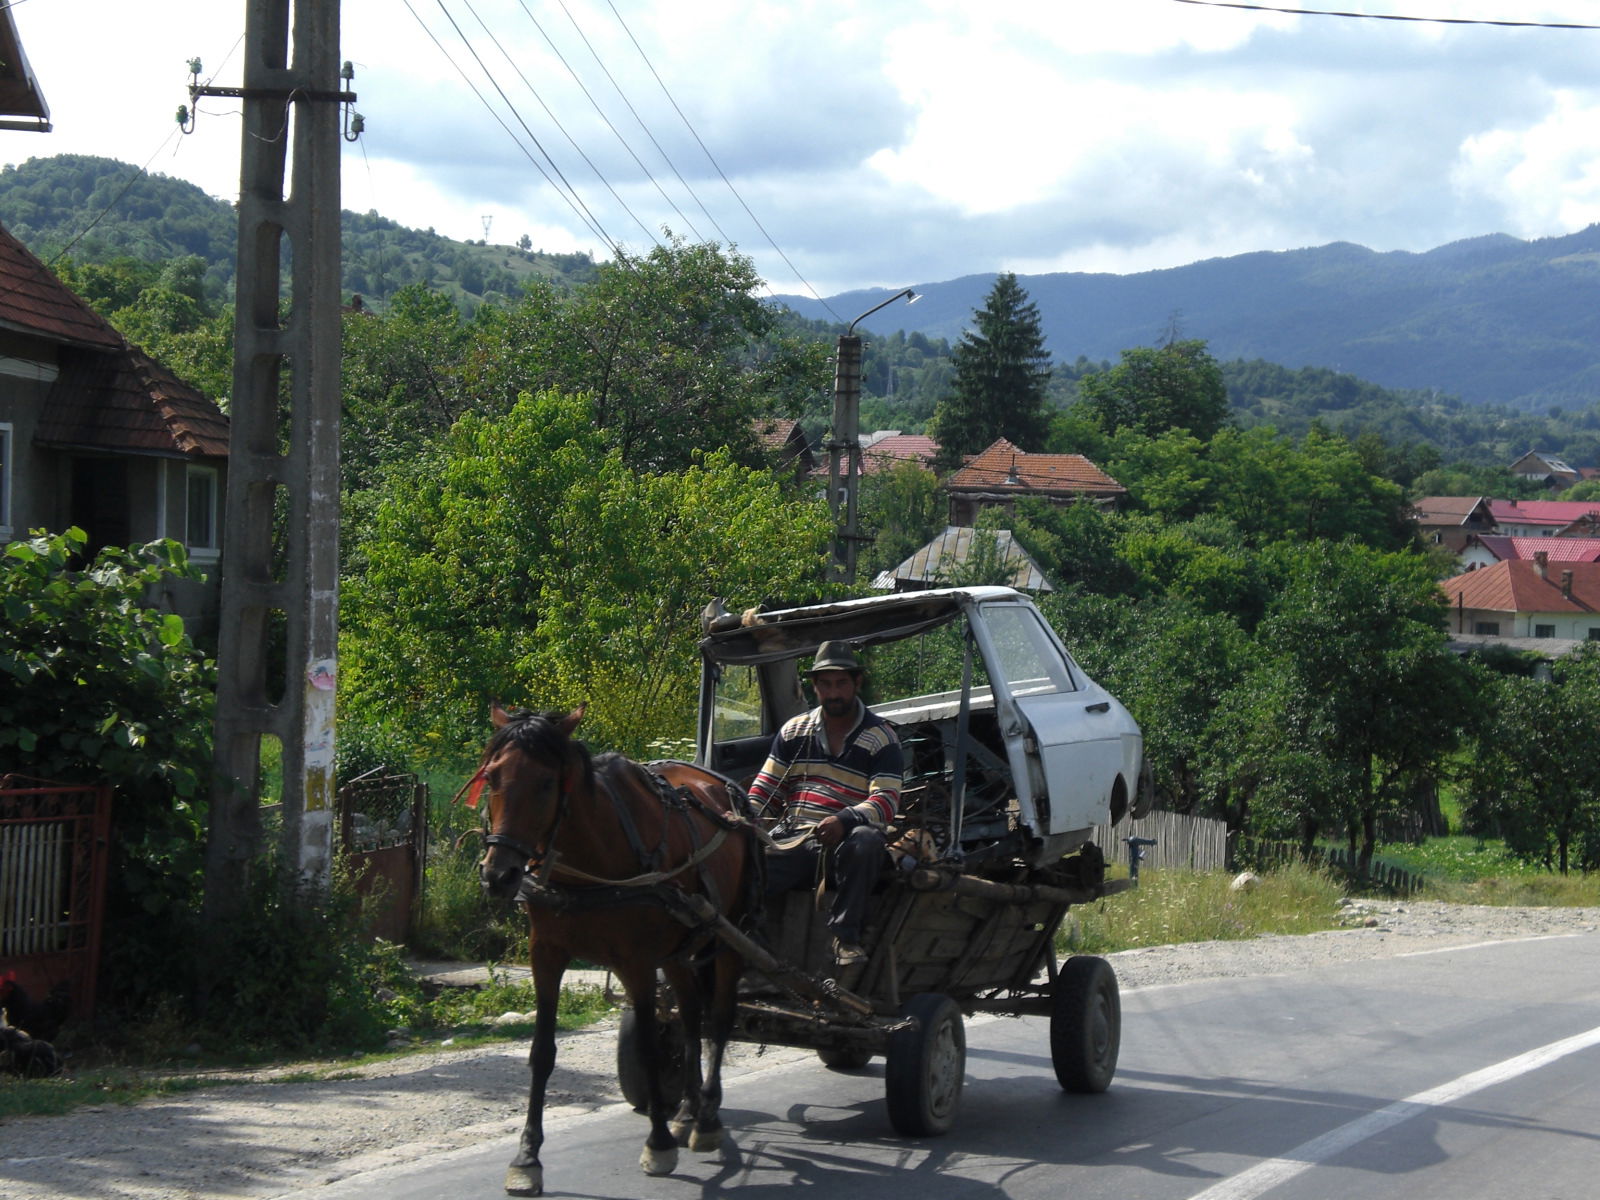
<point x="457" y="1018"/>
<point x="1200" y="906"/>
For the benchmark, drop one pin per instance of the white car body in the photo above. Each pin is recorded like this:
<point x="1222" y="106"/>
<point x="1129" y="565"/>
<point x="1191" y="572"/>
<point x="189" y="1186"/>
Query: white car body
<point x="1025" y="752"/>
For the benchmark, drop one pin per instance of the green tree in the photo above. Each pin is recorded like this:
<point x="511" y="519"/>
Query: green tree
<point x="1532" y="780"/>
<point x="1356" y="697"/>
<point x="1002" y="373"/>
<point x="902" y="508"/>
<point x="1154" y="389"/>
<point x="674" y="349"/>
<point x="523" y="559"/>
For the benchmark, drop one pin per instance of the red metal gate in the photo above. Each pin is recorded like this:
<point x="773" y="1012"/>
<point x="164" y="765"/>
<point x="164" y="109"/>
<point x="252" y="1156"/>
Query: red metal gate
<point x="383" y="832"/>
<point x="54" y="845"/>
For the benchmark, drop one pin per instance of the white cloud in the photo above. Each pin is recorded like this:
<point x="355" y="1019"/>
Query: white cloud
<point x="1544" y="177"/>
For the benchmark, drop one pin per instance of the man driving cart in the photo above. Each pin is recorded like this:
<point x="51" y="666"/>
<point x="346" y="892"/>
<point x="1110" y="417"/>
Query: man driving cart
<point x="834" y="776"/>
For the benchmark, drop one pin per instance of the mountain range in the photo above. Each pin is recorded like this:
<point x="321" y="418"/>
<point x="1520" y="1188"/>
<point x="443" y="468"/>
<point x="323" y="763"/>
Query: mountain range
<point x="1494" y="319"/>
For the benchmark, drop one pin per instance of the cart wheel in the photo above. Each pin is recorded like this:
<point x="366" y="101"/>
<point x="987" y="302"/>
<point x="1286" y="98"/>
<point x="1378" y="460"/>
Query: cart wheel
<point x="630" y="1072"/>
<point x="1085" y="1024"/>
<point x="925" y="1067"/>
<point x="844" y="1058"/>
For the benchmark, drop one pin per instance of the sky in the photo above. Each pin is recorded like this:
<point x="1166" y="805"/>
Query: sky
<point x="848" y="145"/>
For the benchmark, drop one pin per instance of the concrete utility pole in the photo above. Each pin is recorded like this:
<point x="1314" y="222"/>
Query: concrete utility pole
<point x="276" y="653"/>
<point x="844" y="447"/>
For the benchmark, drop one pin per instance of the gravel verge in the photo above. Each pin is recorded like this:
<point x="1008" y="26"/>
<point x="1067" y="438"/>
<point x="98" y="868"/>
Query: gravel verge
<point x="272" y="1135"/>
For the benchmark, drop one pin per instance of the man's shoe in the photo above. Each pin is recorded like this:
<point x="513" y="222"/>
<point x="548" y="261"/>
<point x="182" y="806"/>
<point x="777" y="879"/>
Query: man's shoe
<point x="845" y="953"/>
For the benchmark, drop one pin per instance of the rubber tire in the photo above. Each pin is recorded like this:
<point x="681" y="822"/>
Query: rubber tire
<point x="1085" y="1024"/>
<point x="844" y="1058"/>
<point x="630" y="1075"/>
<point x="1144" y="795"/>
<point x="926" y="1066"/>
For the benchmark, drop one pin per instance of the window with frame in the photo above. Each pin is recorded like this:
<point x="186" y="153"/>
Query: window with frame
<point x="1594" y="634"/>
<point x="1544" y="631"/>
<point x="1492" y="628"/>
<point x="5" y="482"/>
<point x="201" y="512"/>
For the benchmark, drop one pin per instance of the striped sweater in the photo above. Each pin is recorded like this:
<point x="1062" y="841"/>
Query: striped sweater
<point x="805" y="783"/>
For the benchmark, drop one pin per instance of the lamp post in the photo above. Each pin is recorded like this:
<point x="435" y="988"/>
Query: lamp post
<point x="844" y="443"/>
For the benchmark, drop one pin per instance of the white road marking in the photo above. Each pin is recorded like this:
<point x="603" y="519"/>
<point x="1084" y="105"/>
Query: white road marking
<point x="1270" y="1173"/>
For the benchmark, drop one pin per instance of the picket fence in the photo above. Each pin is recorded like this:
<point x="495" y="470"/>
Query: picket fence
<point x="1192" y="843"/>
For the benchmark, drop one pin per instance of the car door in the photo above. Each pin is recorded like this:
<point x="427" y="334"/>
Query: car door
<point x="1063" y="732"/>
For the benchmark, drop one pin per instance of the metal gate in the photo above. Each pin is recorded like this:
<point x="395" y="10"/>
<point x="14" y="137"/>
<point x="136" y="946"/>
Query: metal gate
<point x="383" y="825"/>
<point x="54" y="844"/>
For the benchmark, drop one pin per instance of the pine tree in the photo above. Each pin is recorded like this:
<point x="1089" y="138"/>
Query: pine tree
<point x="1001" y="372"/>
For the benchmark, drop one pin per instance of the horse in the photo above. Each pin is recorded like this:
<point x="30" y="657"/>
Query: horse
<point x="603" y="858"/>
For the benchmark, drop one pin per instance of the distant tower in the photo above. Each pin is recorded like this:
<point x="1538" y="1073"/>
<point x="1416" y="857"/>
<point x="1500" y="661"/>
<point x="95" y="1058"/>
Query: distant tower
<point x="488" y="220"/>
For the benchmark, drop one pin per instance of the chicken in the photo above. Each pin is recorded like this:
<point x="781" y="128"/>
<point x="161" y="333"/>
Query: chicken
<point x="22" y="1011"/>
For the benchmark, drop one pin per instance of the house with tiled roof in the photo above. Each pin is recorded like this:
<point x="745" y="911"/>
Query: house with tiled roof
<point x="95" y="433"/>
<point x="1484" y="550"/>
<point x="786" y="445"/>
<point x="996" y="476"/>
<point x="1547" y="469"/>
<point x="1546" y="518"/>
<point x="1527" y="598"/>
<point x="1450" y="521"/>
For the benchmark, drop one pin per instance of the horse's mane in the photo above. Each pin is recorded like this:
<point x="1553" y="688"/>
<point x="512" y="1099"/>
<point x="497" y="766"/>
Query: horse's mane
<point x="538" y="735"/>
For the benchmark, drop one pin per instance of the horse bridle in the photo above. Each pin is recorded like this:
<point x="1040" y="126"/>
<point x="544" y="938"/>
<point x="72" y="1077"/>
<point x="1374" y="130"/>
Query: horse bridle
<point x="534" y="860"/>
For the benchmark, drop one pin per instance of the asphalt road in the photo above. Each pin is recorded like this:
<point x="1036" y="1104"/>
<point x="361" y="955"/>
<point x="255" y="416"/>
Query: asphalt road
<point x="1460" y="1073"/>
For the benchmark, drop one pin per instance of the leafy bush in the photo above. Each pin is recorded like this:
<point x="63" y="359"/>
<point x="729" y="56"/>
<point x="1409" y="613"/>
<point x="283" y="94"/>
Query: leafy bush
<point x="104" y="687"/>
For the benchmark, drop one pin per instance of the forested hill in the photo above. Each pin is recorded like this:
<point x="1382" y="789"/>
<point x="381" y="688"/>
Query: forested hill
<point x="49" y="203"/>
<point x="1492" y="319"/>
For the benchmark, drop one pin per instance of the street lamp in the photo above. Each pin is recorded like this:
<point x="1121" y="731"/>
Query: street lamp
<point x="845" y="443"/>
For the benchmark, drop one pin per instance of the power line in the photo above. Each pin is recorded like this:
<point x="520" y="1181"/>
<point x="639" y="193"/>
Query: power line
<point x="1322" y="12"/>
<point x="712" y="160"/>
<point x="661" y="150"/>
<point x="571" y="200"/>
<point x="555" y="120"/>
<point x="595" y="104"/>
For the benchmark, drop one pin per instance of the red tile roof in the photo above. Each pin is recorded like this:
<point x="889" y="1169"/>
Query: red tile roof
<point x="35" y="301"/>
<point x="1004" y="468"/>
<point x="129" y="402"/>
<point x="1445" y="510"/>
<point x="1515" y="586"/>
<point x="901" y="447"/>
<point x="774" y="432"/>
<point x="1556" y="549"/>
<point x="108" y="395"/>
<point x="1542" y="512"/>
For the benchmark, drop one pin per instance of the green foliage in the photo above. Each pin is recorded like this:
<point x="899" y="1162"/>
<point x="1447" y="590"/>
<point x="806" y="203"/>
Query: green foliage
<point x="524" y="560"/>
<point x="1532" y="779"/>
<point x="1157" y="389"/>
<point x="102" y="686"/>
<point x="1198" y="906"/>
<point x="902" y="509"/>
<point x="1002" y="371"/>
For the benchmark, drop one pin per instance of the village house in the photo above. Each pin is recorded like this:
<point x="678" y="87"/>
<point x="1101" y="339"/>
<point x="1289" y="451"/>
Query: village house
<point x="1486" y="549"/>
<point x="997" y="476"/>
<point x="95" y="433"/>
<point x="1547" y="469"/>
<point x="1451" y="521"/>
<point x="1546" y="518"/>
<point x="1526" y="598"/>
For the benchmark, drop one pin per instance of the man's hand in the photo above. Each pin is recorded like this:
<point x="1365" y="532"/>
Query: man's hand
<point x="830" y="832"/>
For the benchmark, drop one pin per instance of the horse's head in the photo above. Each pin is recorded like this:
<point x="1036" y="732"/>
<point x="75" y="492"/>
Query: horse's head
<point x="531" y="767"/>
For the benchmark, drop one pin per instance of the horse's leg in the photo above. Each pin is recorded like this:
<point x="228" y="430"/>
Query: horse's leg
<point x="689" y="987"/>
<point x="660" y="1154"/>
<point x="525" y="1175"/>
<point x="708" y="1132"/>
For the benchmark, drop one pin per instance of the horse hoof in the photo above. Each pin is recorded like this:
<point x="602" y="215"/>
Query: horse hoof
<point x="524" y="1181"/>
<point x="706" y="1141"/>
<point x="682" y="1132"/>
<point x="659" y="1162"/>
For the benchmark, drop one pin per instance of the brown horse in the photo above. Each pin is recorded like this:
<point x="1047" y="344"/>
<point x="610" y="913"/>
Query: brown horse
<point x="601" y="856"/>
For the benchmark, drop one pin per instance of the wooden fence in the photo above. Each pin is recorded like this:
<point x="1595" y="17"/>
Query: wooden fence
<point x="1379" y="875"/>
<point x="1192" y="843"/>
